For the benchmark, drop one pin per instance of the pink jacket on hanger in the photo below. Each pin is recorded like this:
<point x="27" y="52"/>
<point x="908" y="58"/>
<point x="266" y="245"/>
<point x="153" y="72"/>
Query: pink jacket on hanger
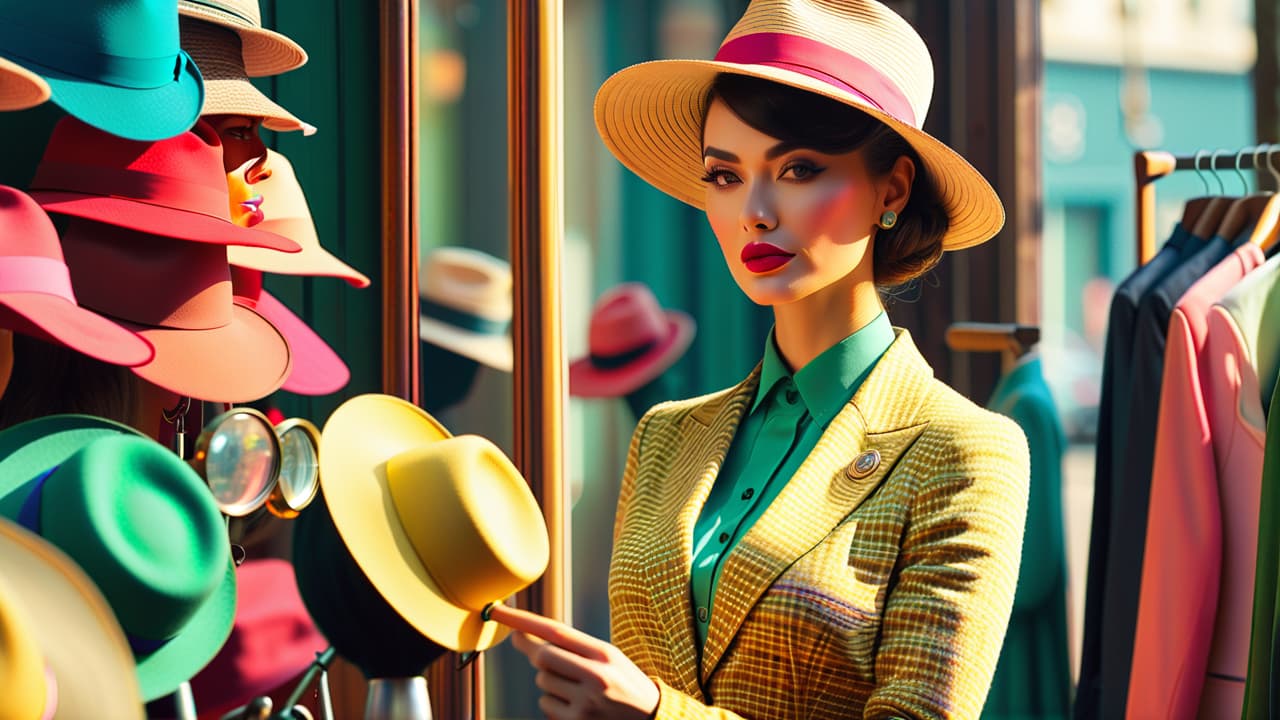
<point x="1192" y="636"/>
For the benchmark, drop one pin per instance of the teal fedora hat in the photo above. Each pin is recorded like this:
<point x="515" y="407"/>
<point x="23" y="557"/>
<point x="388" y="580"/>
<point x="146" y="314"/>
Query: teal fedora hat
<point x="142" y="525"/>
<point x="115" y="64"/>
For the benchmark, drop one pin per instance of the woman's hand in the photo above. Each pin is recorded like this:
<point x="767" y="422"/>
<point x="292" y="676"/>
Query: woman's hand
<point x="580" y="676"/>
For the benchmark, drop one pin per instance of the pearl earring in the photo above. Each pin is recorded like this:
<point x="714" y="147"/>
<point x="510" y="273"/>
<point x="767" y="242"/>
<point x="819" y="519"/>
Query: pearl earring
<point x="888" y="219"/>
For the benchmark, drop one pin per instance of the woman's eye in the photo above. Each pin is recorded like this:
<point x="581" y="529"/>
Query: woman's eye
<point x="801" y="171"/>
<point x="720" y="178"/>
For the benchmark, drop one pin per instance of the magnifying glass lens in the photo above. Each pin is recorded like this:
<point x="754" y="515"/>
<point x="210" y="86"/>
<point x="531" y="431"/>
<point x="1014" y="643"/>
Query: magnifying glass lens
<point x="240" y="463"/>
<point x="299" y="467"/>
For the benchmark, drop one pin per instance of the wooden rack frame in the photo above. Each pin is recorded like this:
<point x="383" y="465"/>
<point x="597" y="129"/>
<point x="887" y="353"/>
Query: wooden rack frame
<point x="1151" y="165"/>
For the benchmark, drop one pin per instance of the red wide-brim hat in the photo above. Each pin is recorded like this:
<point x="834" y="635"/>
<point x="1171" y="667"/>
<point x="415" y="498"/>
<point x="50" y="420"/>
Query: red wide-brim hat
<point x="174" y="188"/>
<point x="589" y="378"/>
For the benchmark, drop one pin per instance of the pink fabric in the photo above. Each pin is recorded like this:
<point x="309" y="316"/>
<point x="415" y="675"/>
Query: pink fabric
<point x="1180" y="636"/>
<point x="1238" y="427"/>
<point x="821" y="62"/>
<point x="32" y="273"/>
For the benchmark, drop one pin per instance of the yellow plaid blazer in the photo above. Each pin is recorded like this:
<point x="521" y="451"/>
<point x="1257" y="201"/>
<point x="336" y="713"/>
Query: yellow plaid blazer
<point x="855" y="595"/>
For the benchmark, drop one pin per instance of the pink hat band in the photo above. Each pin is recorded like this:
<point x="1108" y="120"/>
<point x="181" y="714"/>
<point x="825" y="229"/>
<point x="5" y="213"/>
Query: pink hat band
<point x="159" y="190"/>
<point x="821" y="62"/>
<point x="35" y="274"/>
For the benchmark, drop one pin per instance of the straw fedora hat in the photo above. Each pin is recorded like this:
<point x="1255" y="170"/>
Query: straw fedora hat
<point x="466" y="305"/>
<point x="62" y="653"/>
<point x="90" y="487"/>
<point x="631" y="341"/>
<point x="20" y="88"/>
<point x="273" y="640"/>
<point x="856" y="52"/>
<point x="35" y="289"/>
<point x="178" y="296"/>
<point x="286" y="213"/>
<point x="175" y="187"/>
<point x="227" y="90"/>
<point x="266" y="52"/>
<point x="442" y="526"/>
<point x="317" y="369"/>
<point x="115" y="65"/>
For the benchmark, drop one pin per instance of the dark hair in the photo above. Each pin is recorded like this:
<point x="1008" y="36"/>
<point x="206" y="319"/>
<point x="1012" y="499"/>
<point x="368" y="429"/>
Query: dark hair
<point x="913" y="246"/>
<point x="51" y="379"/>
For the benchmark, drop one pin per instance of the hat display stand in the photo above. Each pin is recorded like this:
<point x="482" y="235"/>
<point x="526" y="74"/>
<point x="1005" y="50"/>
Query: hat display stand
<point x="397" y="699"/>
<point x="389" y="651"/>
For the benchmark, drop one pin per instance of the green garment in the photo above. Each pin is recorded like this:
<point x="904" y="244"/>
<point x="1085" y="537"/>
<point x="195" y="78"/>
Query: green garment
<point x="1033" y="676"/>
<point x="1263" y="682"/>
<point x="788" y="416"/>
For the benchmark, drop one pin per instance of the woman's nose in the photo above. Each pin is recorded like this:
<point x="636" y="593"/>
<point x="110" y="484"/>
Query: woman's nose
<point x="758" y="214"/>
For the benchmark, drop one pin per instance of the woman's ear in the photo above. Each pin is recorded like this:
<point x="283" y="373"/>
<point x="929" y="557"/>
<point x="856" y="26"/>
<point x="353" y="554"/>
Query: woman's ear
<point x="897" y="184"/>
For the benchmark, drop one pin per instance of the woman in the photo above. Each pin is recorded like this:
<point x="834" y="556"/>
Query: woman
<point x="838" y="536"/>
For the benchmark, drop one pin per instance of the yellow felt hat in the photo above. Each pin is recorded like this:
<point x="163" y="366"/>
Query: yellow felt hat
<point x="442" y="526"/>
<point x="61" y="648"/>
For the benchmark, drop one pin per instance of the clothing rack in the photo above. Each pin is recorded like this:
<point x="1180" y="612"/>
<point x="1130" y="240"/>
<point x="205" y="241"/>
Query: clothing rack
<point x="1151" y="165"/>
<point x="1011" y="340"/>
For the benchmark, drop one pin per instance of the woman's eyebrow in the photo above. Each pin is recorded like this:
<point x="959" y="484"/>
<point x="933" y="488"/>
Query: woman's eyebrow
<point x="721" y="154"/>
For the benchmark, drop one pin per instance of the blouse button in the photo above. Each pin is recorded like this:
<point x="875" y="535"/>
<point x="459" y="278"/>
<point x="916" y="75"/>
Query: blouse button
<point x="748" y="493"/>
<point x="724" y="537"/>
<point x="792" y="396"/>
<point x="702" y="614"/>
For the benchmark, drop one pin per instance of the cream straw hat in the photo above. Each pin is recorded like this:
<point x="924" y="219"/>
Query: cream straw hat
<point x="20" y="88"/>
<point x="857" y="52"/>
<point x="266" y="52"/>
<point x="466" y="305"/>
<point x="227" y="90"/>
<point x="285" y="212"/>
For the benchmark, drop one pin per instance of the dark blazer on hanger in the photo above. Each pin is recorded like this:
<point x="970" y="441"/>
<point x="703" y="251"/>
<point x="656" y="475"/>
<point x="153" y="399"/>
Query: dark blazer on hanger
<point x="1133" y="489"/>
<point x="1109" y="461"/>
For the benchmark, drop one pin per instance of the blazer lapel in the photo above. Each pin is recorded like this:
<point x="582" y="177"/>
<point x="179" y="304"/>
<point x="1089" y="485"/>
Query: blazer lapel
<point x="855" y="453"/>
<point x="703" y="438"/>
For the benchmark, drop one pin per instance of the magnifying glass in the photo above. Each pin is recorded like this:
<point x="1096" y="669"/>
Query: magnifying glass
<point x="239" y="455"/>
<point x="299" y="468"/>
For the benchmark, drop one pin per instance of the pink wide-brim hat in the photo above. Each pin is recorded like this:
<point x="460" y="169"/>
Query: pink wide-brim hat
<point x="631" y="341"/>
<point x="856" y="52"/>
<point x="273" y="640"/>
<point x="36" y="297"/>
<point x="317" y="369"/>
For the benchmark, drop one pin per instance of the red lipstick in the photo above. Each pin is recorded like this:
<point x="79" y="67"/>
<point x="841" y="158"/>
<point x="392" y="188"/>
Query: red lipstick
<point x="762" y="257"/>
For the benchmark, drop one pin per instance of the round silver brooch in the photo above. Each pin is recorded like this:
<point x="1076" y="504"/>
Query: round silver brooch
<point x="865" y="464"/>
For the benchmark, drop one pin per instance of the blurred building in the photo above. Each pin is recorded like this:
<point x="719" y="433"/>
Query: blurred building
<point x="1121" y="76"/>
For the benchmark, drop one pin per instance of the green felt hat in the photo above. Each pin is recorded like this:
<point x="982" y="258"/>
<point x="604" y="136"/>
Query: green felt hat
<point x="142" y="525"/>
<point x="115" y="64"/>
